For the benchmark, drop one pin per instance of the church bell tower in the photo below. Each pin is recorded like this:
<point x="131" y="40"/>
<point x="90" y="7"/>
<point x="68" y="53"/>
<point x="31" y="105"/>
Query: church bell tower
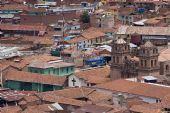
<point x="120" y="51"/>
<point x="148" y="60"/>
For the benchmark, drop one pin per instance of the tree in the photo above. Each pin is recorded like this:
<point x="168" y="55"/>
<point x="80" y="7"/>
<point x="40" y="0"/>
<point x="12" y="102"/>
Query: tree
<point x="85" y="18"/>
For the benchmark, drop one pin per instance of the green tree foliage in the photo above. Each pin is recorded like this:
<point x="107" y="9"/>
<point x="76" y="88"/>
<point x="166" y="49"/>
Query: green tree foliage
<point x="85" y="18"/>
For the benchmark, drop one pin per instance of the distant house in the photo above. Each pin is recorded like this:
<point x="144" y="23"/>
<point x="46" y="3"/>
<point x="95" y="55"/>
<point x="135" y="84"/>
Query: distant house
<point x="127" y="15"/>
<point x="22" y="63"/>
<point x="30" y="30"/>
<point x="137" y="34"/>
<point x="55" y="68"/>
<point x="88" y="38"/>
<point x="89" y="77"/>
<point x="12" y="8"/>
<point x="37" y="11"/>
<point x="20" y="80"/>
<point x="121" y="90"/>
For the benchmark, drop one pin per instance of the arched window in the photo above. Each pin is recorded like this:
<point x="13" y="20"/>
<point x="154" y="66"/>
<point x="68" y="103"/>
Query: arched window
<point x="125" y="57"/>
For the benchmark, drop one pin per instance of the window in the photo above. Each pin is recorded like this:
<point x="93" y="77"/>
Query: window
<point x="145" y="63"/>
<point x="151" y="63"/>
<point x="155" y="62"/>
<point x="142" y="63"/>
<point x="117" y="59"/>
<point x="67" y="69"/>
<point x="41" y="72"/>
<point x="53" y="71"/>
<point x="96" y="40"/>
<point x="125" y="47"/>
<point x="36" y="71"/>
<point x="113" y="59"/>
<point x="30" y="70"/>
<point x="167" y="67"/>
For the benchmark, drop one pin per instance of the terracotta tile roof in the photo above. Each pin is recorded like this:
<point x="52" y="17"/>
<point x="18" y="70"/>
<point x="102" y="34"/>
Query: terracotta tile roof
<point x="76" y="93"/>
<point x="10" y="109"/>
<point x="76" y="40"/>
<point x="42" y="108"/>
<point x="144" y="30"/>
<point x="44" y="65"/>
<point x="96" y="75"/>
<point x="22" y="27"/>
<point x="13" y="7"/>
<point x="99" y="71"/>
<point x="153" y="21"/>
<point x="106" y="30"/>
<point x="62" y="100"/>
<point x="92" y="33"/>
<point x="4" y="66"/>
<point x="70" y="92"/>
<point x="143" y="89"/>
<point x="43" y="40"/>
<point x="30" y="110"/>
<point x="29" y="59"/>
<point x="11" y="95"/>
<point x="15" y="75"/>
<point x="93" y="109"/>
<point x="146" y="108"/>
<point x="165" y="101"/>
<point x="134" y="101"/>
<point x="164" y="55"/>
<point x="97" y="97"/>
<point x="30" y="98"/>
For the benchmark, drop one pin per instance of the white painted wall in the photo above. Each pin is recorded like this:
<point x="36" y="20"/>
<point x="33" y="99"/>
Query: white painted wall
<point x="115" y="98"/>
<point x="79" y="82"/>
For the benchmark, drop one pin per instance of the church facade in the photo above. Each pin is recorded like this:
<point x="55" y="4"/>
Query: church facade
<point x="123" y="65"/>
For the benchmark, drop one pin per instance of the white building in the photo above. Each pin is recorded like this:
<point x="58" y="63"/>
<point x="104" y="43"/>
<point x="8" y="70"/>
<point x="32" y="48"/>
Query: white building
<point x="8" y="52"/>
<point x="89" y="77"/>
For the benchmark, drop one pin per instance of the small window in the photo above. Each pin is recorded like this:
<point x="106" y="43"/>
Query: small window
<point x="113" y="59"/>
<point x="142" y="63"/>
<point x="117" y="59"/>
<point x="155" y="62"/>
<point x="167" y="67"/>
<point x="67" y="69"/>
<point x="145" y="63"/>
<point x="151" y="63"/>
